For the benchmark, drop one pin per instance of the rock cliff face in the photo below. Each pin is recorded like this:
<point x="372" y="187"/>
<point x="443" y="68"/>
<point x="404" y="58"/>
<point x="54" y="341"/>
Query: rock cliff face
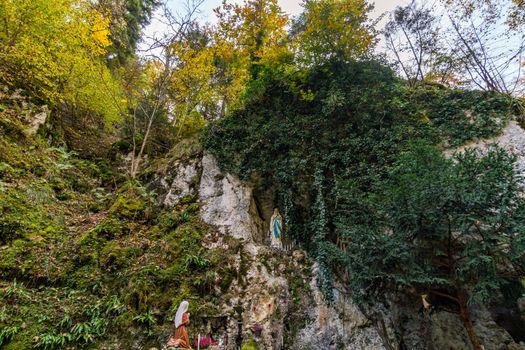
<point x="277" y="291"/>
<point x="404" y="325"/>
<point x="276" y="294"/>
<point x="341" y="325"/>
<point x="228" y="204"/>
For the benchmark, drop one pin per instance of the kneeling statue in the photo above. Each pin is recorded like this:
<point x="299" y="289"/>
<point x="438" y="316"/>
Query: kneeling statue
<point x="180" y="337"/>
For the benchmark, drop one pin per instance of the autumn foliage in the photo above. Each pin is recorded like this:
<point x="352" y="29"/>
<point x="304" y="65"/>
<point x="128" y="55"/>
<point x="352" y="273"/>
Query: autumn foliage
<point x="56" y="50"/>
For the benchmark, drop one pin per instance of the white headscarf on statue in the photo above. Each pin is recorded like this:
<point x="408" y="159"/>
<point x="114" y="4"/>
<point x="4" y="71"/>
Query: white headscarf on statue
<point x="183" y="307"/>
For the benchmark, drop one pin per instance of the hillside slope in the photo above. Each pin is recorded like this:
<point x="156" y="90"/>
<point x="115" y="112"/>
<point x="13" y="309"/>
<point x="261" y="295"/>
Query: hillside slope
<point x="91" y="259"/>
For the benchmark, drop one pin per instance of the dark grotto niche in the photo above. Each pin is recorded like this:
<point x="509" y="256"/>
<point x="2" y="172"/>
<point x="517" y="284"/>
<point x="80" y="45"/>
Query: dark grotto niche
<point x="265" y="201"/>
<point x="509" y="313"/>
<point x="510" y="319"/>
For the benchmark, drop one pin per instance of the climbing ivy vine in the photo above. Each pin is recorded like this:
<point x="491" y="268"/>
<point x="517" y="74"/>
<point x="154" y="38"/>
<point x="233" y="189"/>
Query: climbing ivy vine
<point x="306" y="132"/>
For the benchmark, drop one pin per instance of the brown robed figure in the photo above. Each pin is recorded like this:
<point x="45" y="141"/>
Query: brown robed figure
<point x="179" y="337"/>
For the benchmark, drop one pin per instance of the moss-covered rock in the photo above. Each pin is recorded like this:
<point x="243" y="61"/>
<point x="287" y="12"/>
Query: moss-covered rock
<point x="127" y="207"/>
<point x="250" y="345"/>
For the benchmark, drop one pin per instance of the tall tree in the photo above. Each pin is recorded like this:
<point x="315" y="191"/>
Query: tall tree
<point x="451" y="228"/>
<point x="255" y="29"/>
<point x="127" y="19"/>
<point x="478" y="43"/>
<point x="56" y="49"/>
<point x="333" y="29"/>
<point x="489" y="52"/>
<point x="191" y="91"/>
<point x="163" y="60"/>
<point x="412" y="35"/>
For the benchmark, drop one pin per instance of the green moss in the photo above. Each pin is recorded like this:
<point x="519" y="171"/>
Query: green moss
<point x="193" y="208"/>
<point x="96" y="206"/>
<point x="8" y="260"/>
<point x="88" y="247"/>
<point x="297" y="287"/>
<point x="7" y="172"/>
<point x="79" y="184"/>
<point x="115" y="256"/>
<point x="109" y="228"/>
<point x="268" y="261"/>
<point x="187" y="199"/>
<point x="250" y="345"/>
<point x="126" y="207"/>
<point x="125" y="321"/>
<point x="243" y="266"/>
<point x="23" y="211"/>
<point x="11" y="127"/>
<point x="41" y="313"/>
<point x="185" y="149"/>
<point x="234" y="244"/>
<point x="167" y="221"/>
<point x="56" y="232"/>
<point x="60" y="187"/>
<point x="227" y="276"/>
<point x="18" y="345"/>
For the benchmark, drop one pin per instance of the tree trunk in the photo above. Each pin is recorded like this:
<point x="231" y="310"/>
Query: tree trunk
<point x="135" y="163"/>
<point x="467" y="322"/>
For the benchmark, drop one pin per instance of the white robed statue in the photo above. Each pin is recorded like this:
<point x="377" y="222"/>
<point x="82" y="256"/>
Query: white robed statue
<point x="276" y="229"/>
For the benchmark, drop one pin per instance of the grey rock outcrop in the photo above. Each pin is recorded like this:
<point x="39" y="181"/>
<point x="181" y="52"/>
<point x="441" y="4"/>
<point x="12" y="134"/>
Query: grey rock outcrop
<point x="227" y="203"/>
<point x="403" y="324"/>
<point x="511" y="138"/>
<point x="184" y="184"/>
<point x="37" y="121"/>
<point x="341" y="325"/>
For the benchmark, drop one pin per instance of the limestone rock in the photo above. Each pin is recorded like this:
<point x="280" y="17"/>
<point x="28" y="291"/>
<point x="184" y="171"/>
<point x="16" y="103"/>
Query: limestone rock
<point x="36" y="121"/>
<point x="227" y="203"/>
<point x="263" y="305"/>
<point x="512" y="139"/>
<point x="260" y="297"/>
<point x="341" y="325"/>
<point x="404" y="325"/>
<point x="263" y="294"/>
<point x="184" y="184"/>
<point x="491" y="335"/>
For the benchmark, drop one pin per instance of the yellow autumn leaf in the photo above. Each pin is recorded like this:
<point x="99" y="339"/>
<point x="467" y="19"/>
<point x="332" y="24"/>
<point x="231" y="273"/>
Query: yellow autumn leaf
<point x="100" y="30"/>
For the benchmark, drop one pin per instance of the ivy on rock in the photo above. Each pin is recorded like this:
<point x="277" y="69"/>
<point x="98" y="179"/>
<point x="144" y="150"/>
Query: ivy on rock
<point x="355" y="155"/>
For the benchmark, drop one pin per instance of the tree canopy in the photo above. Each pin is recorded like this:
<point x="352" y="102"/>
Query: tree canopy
<point x="56" y="49"/>
<point x="338" y="29"/>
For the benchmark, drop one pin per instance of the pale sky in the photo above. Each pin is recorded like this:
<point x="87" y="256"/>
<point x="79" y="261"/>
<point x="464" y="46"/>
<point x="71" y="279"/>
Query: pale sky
<point x="291" y="7"/>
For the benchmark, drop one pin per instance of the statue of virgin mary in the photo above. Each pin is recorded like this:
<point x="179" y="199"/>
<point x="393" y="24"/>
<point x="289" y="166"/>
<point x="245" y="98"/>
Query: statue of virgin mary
<point x="276" y="229"/>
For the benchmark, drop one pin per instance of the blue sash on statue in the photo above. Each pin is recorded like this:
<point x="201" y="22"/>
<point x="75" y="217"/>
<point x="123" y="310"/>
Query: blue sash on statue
<point x="276" y="228"/>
